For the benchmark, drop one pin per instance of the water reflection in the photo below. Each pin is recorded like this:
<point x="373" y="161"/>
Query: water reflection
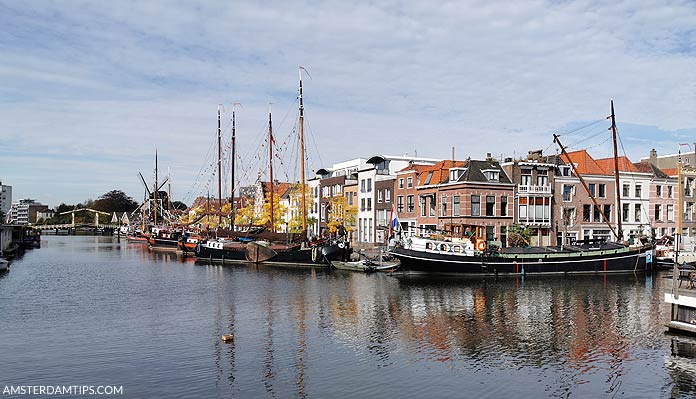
<point x="322" y="333"/>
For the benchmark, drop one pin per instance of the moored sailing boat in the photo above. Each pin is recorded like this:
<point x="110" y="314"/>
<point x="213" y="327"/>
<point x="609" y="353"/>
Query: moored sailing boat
<point x="270" y="246"/>
<point x="472" y="255"/>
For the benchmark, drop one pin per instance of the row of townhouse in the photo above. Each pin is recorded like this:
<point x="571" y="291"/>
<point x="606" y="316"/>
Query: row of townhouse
<point x="541" y="192"/>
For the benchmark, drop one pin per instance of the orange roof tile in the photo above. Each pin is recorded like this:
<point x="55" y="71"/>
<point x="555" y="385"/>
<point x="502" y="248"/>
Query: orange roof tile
<point x="440" y="172"/>
<point x="279" y="188"/>
<point x="670" y="172"/>
<point x="585" y="164"/>
<point x="625" y="165"/>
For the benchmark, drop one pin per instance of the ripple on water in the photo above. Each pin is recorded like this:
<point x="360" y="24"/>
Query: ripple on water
<point x="89" y="310"/>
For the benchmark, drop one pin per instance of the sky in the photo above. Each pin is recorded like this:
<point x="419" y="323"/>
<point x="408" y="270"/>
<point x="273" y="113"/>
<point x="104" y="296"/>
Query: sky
<point x="90" y="90"/>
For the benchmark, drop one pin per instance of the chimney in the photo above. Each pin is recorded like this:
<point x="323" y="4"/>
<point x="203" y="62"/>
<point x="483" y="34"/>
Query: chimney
<point x="508" y="159"/>
<point x="653" y="157"/>
<point x="489" y="157"/>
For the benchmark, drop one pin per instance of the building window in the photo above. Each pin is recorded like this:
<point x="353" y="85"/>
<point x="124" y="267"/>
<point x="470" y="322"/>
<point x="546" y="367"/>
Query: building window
<point x="443" y="206"/>
<point x="362" y="204"/>
<point x="586" y="211"/>
<point x="542" y="177"/>
<point x="626" y="190"/>
<point x="624" y="212"/>
<point x="636" y="216"/>
<point x="658" y="191"/>
<point x="592" y="189"/>
<point x="421" y="203"/>
<point x="523" y="211"/>
<point x="503" y="236"/>
<point x="597" y="217"/>
<point x="639" y="191"/>
<point x="433" y="205"/>
<point x="362" y="185"/>
<point x="369" y="185"/>
<point x="568" y="192"/>
<point x="658" y="212"/>
<point x="387" y="195"/>
<point x="670" y="192"/>
<point x="410" y="182"/>
<point x="607" y="212"/>
<point x="503" y="205"/>
<point x="565" y="170"/>
<point x="568" y="216"/>
<point x="400" y="203"/>
<point x="428" y="178"/>
<point x="602" y="191"/>
<point x="379" y="196"/>
<point x="410" y="205"/>
<point x="475" y="205"/>
<point x="490" y="205"/>
<point x="401" y="183"/>
<point x="455" y="205"/>
<point x="369" y="204"/>
<point x="526" y="177"/>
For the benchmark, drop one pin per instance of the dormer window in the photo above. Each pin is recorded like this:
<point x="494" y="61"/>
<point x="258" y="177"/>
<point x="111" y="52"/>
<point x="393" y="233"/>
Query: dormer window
<point x="428" y="178"/>
<point x="565" y="170"/>
<point x="491" y="174"/>
<point x="456" y="173"/>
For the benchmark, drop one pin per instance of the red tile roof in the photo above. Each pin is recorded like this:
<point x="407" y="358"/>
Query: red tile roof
<point x="672" y="172"/>
<point x="440" y="172"/>
<point x="625" y="165"/>
<point x="279" y="188"/>
<point x="585" y="164"/>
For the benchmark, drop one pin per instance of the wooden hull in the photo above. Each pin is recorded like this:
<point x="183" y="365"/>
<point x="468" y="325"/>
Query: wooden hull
<point x="605" y="261"/>
<point x="276" y="253"/>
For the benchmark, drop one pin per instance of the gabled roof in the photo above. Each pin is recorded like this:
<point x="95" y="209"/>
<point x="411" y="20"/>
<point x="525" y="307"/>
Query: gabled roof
<point x="672" y="172"/>
<point x="279" y="188"/>
<point x="647" y="167"/>
<point x="625" y="165"/>
<point x="585" y="164"/>
<point x="440" y="172"/>
<point x="418" y="168"/>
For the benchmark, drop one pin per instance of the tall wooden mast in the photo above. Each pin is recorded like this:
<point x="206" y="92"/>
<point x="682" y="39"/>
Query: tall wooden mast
<point x="156" y="186"/>
<point x="270" y="159"/>
<point x="584" y="185"/>
<point x="619" y="211"/>
<point x="680" y="205"/>
<point x="233" y="160"/>
<point x="219" y="173"/>
<point x="302" y="155"/>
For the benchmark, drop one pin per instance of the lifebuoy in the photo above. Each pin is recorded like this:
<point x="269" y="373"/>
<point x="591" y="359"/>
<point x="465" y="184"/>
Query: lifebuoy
<point x="481" y="246"/>
<point x="341" y="245"/>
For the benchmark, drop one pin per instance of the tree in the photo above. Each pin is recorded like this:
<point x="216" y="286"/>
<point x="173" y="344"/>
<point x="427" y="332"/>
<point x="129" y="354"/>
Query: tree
<point x="247" y="215"/>
<point x="180" y="206"/>
<point x="341" y="214"/>
<point x="519" y="235"/>
<point x="115" y="201"/>
<point x="295" y="224"/>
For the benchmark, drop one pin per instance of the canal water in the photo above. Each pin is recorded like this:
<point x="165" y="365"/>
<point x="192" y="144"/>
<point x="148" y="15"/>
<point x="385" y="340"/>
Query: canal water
<point x="91" y="311"/>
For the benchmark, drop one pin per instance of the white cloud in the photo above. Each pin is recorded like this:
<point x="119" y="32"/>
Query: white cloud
<point x="118" y="79"/>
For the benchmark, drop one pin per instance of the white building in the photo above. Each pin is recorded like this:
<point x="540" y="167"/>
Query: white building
<point x="24" y="211"/>
<point x="634" y="187"/>
<point x="5" y="199"/>
<point x="378" y="168"/>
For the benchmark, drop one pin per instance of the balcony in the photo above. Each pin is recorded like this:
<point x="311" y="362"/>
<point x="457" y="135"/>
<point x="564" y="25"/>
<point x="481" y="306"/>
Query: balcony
<point x="533" y="189"/>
